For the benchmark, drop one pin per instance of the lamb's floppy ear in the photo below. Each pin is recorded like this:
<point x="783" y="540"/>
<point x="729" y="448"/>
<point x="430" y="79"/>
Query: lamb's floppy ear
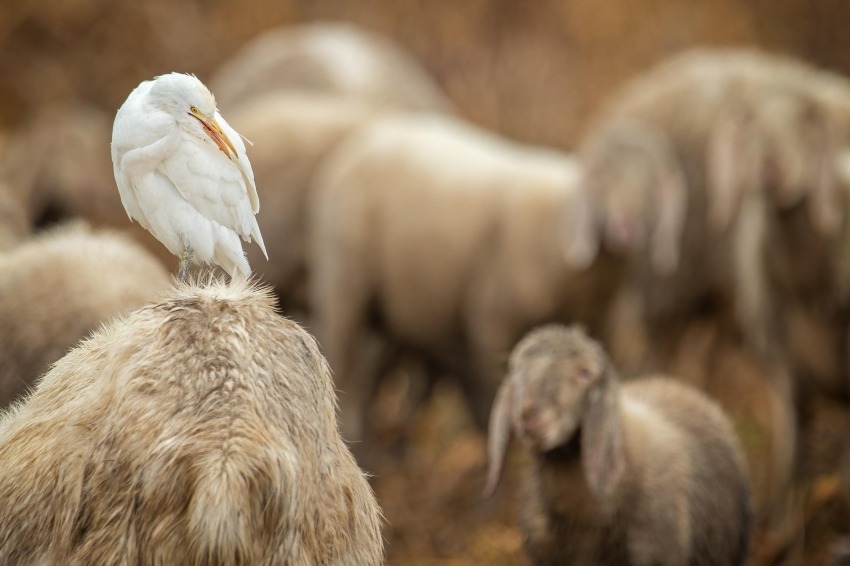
<point x="672" y="197"/>
<point x="499" y="434"/>
<point x="841" y="165"/>
<point x="826" y="205"/>
<point x="603" y="456"/>
<point x="581" y="230"/>
<point x="733" y="160"/>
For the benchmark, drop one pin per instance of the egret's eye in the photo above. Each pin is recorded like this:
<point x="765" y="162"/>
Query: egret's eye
<point x="193" y="109"/>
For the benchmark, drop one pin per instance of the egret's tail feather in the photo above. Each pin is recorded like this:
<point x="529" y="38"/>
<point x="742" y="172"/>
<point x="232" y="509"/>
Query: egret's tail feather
<point x="259" y="238"/>
<point x="231" y="258"/>
<point x="234" y="267"/>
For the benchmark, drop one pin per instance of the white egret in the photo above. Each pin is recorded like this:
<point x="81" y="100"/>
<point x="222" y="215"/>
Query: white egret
<point x="183" y="174"/>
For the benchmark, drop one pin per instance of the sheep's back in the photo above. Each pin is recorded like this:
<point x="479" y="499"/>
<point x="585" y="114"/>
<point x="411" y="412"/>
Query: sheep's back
<point x="200" y="429"/>
<point x="715" y="482"/>
<point x="292" y="134"/>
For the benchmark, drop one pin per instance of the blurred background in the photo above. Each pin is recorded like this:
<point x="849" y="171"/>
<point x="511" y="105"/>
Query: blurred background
<point x="533" y="71"/>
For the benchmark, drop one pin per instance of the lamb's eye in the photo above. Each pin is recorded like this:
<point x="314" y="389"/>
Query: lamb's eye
<point x="584" y="374"/>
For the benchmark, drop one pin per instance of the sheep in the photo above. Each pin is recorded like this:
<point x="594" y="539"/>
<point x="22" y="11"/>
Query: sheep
<point x="329" y="58"/>
<point x="433" y="236"/>
<point x="712" y="126"/>
<point x="292" y="133"/>
<point x="59" y="162"/>
<point x="14" y="224"/>
<point x="840" y="552"/>
<point x="647" y="472"/>
<point x="685" y="167"/>
<point x="795" y="300"/>
<point x="198" y="429"/>
<point x="303" y="99"/>
<point x="58" y="165"/>
<point x="59" y="286"/>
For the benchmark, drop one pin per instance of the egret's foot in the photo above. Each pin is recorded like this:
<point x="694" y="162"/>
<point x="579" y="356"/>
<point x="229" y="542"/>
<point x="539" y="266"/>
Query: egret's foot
<point x="185" y="262"/>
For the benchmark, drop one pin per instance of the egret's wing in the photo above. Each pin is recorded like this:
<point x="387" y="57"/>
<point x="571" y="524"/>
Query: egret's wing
<point x="242" y="159"/>
<point x="128" y="196"/>
<point x="213" y="184"/>
<point x="126" y="133"/>
<point x="247" y="173"/>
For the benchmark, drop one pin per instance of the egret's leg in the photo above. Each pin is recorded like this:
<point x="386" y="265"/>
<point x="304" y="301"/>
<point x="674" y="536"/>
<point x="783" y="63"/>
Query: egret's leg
<point x="185" y="262"/>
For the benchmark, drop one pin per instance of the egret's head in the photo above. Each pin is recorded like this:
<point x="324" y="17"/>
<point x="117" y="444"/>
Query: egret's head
<point x="193" y="107"/>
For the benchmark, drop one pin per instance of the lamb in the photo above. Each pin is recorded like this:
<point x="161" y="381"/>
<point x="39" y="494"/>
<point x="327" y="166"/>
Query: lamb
<point x="433" y="236"/>
<point x="199" y="429"/>
<point x="328" y="58"/>
<point x="647" y="472"/>
<point x="292" y="132"/>
<point x="58" y="287"/>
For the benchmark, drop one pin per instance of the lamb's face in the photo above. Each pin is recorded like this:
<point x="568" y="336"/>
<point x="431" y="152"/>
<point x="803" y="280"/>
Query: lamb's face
<point x="551" y="391"/>
<point x="789" y="137"/>
<point x="624" y="191"/>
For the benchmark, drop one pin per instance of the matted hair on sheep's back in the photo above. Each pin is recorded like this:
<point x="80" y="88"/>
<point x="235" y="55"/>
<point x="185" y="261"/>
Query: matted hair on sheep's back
<point x="198" y="428"/>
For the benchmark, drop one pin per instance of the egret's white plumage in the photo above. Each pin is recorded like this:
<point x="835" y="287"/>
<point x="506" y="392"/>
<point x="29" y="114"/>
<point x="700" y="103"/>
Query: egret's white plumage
<point x="183" y="174"/>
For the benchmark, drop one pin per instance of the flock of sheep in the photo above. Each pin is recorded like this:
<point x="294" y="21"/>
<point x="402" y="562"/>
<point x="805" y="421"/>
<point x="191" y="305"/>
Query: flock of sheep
<point x="701" y="226"/>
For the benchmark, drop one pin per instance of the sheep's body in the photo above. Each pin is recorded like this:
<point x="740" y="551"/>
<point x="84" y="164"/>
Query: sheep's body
<point x="292" y="133"/>
<point x="59" y="166"/>
<point x="60" y="286"/>
<point x="331" y="59"/>
<point x="708" y="354"/>
<point x="803" y="290"/>
<point x="199" y="429"/>
<point x="60" y="163"/>
<point x="455" y="241"/>
<point x="687" y="507"/>
<point x="801" y="286"/>
<point x="644" y="473"/>
<point x="14" y="223"/>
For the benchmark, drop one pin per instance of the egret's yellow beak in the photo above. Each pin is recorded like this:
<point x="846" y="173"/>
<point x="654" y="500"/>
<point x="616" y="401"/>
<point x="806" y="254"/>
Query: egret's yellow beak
<point x="214" y="131"/>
